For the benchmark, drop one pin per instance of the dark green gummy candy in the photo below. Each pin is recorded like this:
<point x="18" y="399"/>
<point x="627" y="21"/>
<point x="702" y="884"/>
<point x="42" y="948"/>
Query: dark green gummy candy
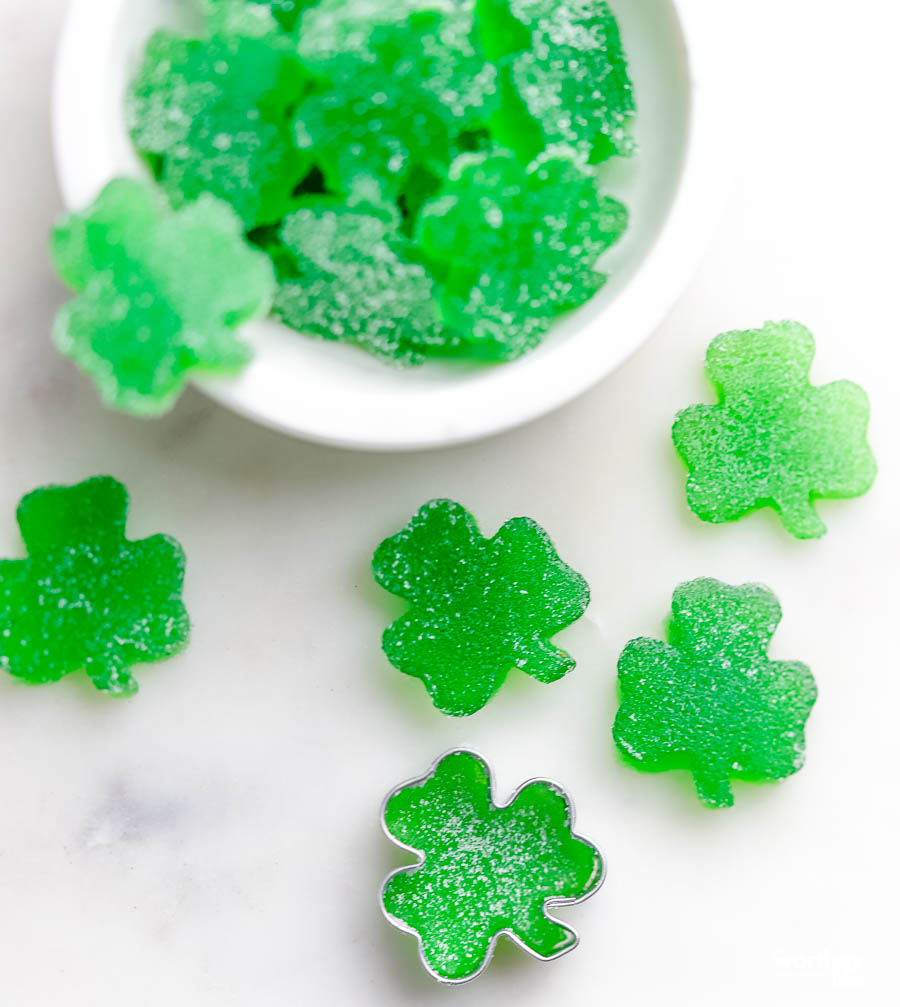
<point x="485" y="870"/>
<point x="515" y="247"/>
<point x="346" y="280"/>
<point x="161" y="293"/>
<point x="563" y="60"/>
<point x="710" y="700"/>
<point x="213" y="116"/>
<point x="400" y="86"/>
<point x="87" y="598"/>
<point x="478" y="606"/>
<point x="773" y="439"/>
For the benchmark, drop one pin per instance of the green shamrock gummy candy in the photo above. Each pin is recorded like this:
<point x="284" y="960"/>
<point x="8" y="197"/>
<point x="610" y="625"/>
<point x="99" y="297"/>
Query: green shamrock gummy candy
<point x="710" y="701"/>
<point x="160" y="293"/>
<point x="213" y="116"/>
<point x="562" y="62"/>
<point x="343" y="278"/>
<point x="773" y="439"/>
<point x="399" y="92"/>
<point x="87" y="598"/>
<point x="479" y="606"/>
<point x="484" y="870"/>
<point x="513" y="247"/>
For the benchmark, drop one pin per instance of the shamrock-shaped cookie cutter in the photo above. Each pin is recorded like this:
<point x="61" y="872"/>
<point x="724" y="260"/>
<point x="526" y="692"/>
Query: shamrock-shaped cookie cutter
<point x="533" y="929"/>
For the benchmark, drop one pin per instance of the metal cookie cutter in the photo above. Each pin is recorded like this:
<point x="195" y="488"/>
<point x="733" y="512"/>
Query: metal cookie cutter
<point x="484" y="870"/>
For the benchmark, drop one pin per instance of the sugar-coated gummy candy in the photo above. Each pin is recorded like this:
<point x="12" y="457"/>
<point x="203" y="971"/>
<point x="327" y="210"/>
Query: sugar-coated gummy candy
<point x="333" y="29"/>
<point x="344" y="278"/>
<point x="489" y="111"/>
<point x="160" y="293"/>
<point x="484" y="870"/>
<point x="87" y="598"/>
<point x="240" y="17"/>
<point x="564" y="62"/>
<point x="213" y="116"/>
<point x="478" y="606"/>
<point x="256" y="18"/>
<point x="513" y="247"/>
<point x="773" y="438"/>
<point x="710" y="700"/>
<point x="399" y="91"/>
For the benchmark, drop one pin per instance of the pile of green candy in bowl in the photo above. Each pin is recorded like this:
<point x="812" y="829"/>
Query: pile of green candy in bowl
<point x="423" y="180"/>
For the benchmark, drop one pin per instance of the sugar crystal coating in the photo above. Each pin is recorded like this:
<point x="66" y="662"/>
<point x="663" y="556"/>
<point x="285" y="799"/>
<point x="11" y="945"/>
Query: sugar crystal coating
<point x="213" y="116"/>
<point x="710" y="700"/>
<point x="331" y="29"/>
<point x="87" y="598"/>
<point x="160" y="293"/>
<point x="773" y="439"/>
<point x="399" y="90"/>
<point x="513" y="247"/>
<point x="240" y="17"/>
<point x="484" y="870"/>
<point x="564" y="61"/>
<point x="478" y="606"/>
<point x="256" y="18"/>
<point x="346" y="280"/>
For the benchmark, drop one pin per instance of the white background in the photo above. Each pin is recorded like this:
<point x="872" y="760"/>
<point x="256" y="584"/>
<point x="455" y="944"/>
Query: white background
<point x="215" y="840"/>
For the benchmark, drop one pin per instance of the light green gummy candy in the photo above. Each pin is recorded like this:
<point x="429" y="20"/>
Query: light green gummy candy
<point x="710" y="700"/>
<point x="87" y="598"/>
<point x="347" y="280"/>
<point x="478" y="606"/>
<point x="213" y="116"/>
<point x="514" y="247"/>
<point x="160" y="293"/>
<point x="773" y="439"/>
<point x="485" y="869"/>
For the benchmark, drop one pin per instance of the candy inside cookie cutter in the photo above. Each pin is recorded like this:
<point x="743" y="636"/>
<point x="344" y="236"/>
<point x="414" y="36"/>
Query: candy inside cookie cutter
<point x="541" y="917"/>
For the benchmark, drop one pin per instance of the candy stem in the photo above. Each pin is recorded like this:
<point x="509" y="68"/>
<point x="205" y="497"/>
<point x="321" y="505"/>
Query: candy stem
<point x="544" y="662"/>
<point x="713" y="788"/>
<point x="114" y="678"/>
<point x="799" y="516"/>
<point x="543" y="936"/>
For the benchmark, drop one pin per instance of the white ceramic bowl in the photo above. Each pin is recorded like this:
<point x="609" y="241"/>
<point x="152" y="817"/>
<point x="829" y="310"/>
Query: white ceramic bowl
<point x="339" y="395"/>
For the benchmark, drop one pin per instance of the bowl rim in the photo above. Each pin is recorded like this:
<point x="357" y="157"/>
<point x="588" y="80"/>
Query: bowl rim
<point x="441" y="415"/>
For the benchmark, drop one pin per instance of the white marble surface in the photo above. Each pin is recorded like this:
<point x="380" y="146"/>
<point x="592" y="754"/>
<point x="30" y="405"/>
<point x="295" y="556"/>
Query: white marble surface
<point x="215" y="840"/>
